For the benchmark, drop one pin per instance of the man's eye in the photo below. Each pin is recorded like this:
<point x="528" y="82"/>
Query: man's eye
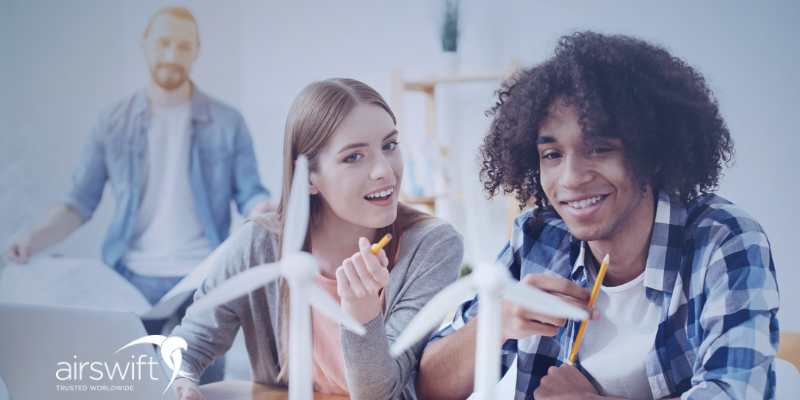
<point x="391" y="145"/>
<point x="353" y="158"/>
<point x="551" y="156"/>
<point x="598" y="150"/>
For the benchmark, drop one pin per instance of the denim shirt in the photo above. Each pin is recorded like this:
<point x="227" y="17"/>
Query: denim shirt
<point x="222" y="168"/>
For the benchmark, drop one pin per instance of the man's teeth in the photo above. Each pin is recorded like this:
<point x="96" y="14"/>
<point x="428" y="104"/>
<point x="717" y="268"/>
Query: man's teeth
<point x="585" y="202"/>
<point x="380" y="194"/>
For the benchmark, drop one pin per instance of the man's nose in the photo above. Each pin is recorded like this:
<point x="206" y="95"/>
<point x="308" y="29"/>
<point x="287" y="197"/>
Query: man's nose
<point x="169" y="54"/>
<point x="576" y="172"/>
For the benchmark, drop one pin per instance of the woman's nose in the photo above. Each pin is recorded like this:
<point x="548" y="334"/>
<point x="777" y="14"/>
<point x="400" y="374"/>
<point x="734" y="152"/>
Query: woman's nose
<point x="381" y="169"/>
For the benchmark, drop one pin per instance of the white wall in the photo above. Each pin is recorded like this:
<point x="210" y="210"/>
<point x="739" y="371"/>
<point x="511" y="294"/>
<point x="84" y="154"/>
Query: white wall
<point x="748" y="53"/>
<point x="62" y="62"/>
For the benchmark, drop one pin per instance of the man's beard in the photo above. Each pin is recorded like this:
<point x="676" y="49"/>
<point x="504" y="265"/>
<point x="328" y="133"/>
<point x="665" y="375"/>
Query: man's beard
<point x="171" y="82"/>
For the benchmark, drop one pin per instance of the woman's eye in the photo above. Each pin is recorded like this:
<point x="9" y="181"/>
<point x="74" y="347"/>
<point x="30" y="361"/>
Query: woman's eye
<point x="353" y="158"/>
<point x="598" y="150"/>
<point x="390" y="145"/>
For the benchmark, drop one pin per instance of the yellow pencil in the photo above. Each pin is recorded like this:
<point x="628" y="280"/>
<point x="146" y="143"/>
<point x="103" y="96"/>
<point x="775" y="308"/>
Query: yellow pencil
<point x="595" y="290"/>
<point x="383" y="242"/>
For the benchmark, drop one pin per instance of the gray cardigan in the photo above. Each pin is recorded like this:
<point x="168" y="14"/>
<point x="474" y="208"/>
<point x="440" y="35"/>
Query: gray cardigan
<point x="430" y="258"/>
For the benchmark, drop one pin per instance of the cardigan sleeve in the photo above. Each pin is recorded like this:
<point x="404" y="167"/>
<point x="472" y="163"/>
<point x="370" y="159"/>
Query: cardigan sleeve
<point x="372" y="372"/>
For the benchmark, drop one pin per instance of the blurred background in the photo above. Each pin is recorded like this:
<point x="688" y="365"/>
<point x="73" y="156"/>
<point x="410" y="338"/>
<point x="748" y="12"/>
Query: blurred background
<point x="62" y="62"/>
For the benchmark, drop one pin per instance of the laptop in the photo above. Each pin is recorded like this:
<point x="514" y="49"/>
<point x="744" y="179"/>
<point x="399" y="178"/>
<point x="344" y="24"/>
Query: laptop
<point x="71" y="353"/>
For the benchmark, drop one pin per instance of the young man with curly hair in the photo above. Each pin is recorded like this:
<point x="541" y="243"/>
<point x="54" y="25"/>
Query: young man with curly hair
<point x="619" y="145"/>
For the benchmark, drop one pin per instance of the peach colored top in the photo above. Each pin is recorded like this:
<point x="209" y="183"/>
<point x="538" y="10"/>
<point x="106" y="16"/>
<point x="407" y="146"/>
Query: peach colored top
<point x="328" y="364"/>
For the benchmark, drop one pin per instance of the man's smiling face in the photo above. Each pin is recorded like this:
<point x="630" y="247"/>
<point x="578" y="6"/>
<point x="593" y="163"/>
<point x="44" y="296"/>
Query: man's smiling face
<point x="587" y="181"/>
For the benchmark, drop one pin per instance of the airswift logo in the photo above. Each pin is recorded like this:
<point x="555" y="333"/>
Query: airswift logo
<point x="170" y="352"/>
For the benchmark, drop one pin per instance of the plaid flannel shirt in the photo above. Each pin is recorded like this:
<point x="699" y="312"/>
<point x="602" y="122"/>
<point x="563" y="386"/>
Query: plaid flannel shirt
<point x="710" y="273"/>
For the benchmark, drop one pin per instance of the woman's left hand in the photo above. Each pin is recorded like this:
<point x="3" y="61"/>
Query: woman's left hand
<point x="360" y="279"/>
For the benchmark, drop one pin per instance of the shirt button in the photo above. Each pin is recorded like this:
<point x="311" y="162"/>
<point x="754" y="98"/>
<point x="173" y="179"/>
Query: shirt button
<point x="119" y="150"/>
<point x="211" y="160"/>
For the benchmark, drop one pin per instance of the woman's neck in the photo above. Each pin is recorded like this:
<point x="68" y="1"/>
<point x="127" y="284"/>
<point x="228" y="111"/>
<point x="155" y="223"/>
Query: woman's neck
<point x="333" y="240"/>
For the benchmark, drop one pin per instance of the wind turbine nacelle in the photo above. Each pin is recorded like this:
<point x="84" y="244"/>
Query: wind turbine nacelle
<point x="299" y="267"/>
<point x="490" y="277"/>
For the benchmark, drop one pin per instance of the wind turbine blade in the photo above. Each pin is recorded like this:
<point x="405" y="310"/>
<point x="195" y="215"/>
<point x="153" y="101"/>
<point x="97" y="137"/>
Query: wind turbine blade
<point x="325" y="304"/>
<point x="296" y="223"/>
<point x="539" y="301"/>
<point x="430" y="316"/>
<point x="239" y="285"/>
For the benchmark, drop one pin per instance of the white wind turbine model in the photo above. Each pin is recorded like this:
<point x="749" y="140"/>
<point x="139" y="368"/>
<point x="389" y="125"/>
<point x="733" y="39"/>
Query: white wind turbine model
<point x="491" y="282"/>
<point x="299" y="269"/>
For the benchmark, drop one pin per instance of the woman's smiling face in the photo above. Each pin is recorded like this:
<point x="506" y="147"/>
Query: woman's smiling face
<point x="360" y="169"/>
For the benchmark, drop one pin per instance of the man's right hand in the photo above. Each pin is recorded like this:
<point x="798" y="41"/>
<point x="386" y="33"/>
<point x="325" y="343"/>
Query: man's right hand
<point x="20" y="250"/>
<point x="446" y="369"/>
<point x="59" y="223"/>
<point x="187" y="389"/>
<point x="519" y="322"/>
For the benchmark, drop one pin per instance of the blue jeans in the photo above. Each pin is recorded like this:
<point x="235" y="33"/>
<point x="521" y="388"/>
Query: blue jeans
<point x="154" y="288"/>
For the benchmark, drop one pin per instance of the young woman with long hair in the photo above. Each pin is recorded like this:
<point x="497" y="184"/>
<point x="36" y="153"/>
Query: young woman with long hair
<point x="348" y="133"/>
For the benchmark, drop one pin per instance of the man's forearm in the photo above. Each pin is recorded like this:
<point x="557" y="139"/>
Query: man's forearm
<point x="59" y="223"/>
<point x="447" y="367"/>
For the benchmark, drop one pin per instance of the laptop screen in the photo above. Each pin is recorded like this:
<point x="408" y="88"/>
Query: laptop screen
<point x="74" y="353"/>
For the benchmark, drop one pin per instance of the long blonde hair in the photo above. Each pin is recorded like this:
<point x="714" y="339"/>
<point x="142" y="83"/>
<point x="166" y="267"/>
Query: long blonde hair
<point x="313" y="116"/>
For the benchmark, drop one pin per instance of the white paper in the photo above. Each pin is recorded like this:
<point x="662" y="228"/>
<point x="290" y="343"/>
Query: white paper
<point x="85" y="282"/>
<point x="72" y="282"/>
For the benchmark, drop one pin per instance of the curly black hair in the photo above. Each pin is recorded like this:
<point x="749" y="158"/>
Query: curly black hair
<point x="661" y="108"/>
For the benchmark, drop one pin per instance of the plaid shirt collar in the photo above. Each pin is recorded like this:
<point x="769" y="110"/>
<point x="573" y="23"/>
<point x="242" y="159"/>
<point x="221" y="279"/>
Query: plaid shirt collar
<point x="663" y="259"/>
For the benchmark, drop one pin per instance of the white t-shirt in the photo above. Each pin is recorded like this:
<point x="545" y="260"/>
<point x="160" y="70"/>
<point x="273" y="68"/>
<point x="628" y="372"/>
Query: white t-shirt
<point x="614" y="348"/>
<point x="168" y="238"/>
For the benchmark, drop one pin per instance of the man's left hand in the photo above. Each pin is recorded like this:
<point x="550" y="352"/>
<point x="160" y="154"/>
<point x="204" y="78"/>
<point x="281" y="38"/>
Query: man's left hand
<point x="564" y="382"/>
<point x="263" y="207"/>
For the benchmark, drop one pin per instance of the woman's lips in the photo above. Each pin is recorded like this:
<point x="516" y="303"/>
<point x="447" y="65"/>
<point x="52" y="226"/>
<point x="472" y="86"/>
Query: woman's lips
<point x="382" y="201"/>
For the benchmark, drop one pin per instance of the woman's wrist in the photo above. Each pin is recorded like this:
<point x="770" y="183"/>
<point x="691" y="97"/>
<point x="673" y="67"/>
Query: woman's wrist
<point x="364" y="310"/>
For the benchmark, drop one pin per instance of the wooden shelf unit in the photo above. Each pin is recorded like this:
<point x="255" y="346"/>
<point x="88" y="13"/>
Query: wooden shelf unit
<point x="400" y="85"/>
